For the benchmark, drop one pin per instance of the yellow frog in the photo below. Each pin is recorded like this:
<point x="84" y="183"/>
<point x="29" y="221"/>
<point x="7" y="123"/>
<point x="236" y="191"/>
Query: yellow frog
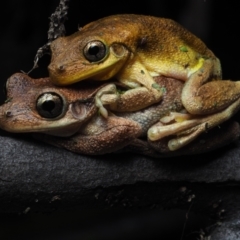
<point x="134" y="49"/>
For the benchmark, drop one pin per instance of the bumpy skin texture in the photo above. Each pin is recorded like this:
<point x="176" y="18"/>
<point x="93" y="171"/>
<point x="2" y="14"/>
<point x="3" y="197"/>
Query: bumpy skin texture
<point x="19" y="113"/>
<point x="156" y="41"/>
<point x="171" y="102"/>
<point x="102" y="135"/>
<point x="137" y="49"/>
<point x="79" y="127"/>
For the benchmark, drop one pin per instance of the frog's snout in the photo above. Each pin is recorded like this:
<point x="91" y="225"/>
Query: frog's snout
<point x="56" y="68"/>
<point x="57" y="73"/>
<point x="5" y="115"/>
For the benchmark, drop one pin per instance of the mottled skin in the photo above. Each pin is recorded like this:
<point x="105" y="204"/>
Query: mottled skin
<point x="19" y="113"/>
<point x="104" y="135"/>
<point x="138" y="49"/>
<point x="78" y="127"/>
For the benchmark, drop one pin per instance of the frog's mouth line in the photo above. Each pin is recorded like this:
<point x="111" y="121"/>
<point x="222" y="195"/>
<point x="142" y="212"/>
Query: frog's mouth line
<point x="98" y="71"/>
<point x="18" y="126"/>
<point x="101" y="74"/>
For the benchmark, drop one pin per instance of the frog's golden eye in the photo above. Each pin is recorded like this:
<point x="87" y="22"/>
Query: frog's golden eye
<point x="94" y="51"/>
<point x="49" y="105"/>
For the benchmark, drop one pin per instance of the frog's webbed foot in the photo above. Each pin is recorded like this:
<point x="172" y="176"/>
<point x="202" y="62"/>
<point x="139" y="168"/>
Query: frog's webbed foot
<point x="107" y="95"/>
<point x="186" y="131"/>
<point x="214" y="139"/>
<point x="182" y="132"/>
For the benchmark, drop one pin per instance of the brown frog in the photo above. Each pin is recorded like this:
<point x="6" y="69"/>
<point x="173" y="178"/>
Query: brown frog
<point x="68" y="117"/>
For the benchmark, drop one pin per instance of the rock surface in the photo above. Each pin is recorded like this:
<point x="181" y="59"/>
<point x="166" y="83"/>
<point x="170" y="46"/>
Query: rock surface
<point x="38" y="177"/>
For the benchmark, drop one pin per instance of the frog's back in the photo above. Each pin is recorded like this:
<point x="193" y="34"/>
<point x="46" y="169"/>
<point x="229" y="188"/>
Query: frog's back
<point x="153" y="34"/>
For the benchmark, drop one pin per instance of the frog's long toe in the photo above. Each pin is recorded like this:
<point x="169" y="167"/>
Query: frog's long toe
<point x="159" y="131"/>
<point x="186" y="131"/>
<point x="105" y="97"/>
<point x="183" y="140"/>
<point x="183" y="133"/>
<point x="102" y="110"/>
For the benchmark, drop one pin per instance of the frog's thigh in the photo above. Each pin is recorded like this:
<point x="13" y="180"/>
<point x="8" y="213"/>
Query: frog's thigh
<point x="201" y="96"/>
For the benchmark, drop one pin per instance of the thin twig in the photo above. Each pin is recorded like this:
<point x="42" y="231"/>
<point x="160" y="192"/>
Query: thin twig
<point x="56" y="29"/>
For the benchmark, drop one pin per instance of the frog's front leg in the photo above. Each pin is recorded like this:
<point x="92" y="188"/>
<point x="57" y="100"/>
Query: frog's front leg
<point x="129" y="101"/>
<point x="143" y="91"/>
<point x="99" y="136"/>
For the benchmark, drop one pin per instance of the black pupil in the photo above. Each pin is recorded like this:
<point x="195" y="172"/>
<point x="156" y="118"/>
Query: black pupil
<point x="93" y="50"/>
<point x="48" y="106"/>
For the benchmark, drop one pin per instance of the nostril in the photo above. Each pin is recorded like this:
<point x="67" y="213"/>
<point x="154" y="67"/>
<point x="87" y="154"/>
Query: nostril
<point x="8" y="113"/>
<point x="56" y="68"/>
<point x="61" y="68"/>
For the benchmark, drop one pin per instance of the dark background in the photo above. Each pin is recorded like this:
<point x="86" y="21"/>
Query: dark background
<point x="24" y="26"/>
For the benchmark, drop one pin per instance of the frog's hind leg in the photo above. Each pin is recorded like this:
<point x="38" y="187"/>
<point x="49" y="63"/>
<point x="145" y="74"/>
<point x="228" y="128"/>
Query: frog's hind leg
<point x="213" y="139"/>
<point x="185" y="132"/>
<point x="203" y="94"/>
<point x="209" y="102"/>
